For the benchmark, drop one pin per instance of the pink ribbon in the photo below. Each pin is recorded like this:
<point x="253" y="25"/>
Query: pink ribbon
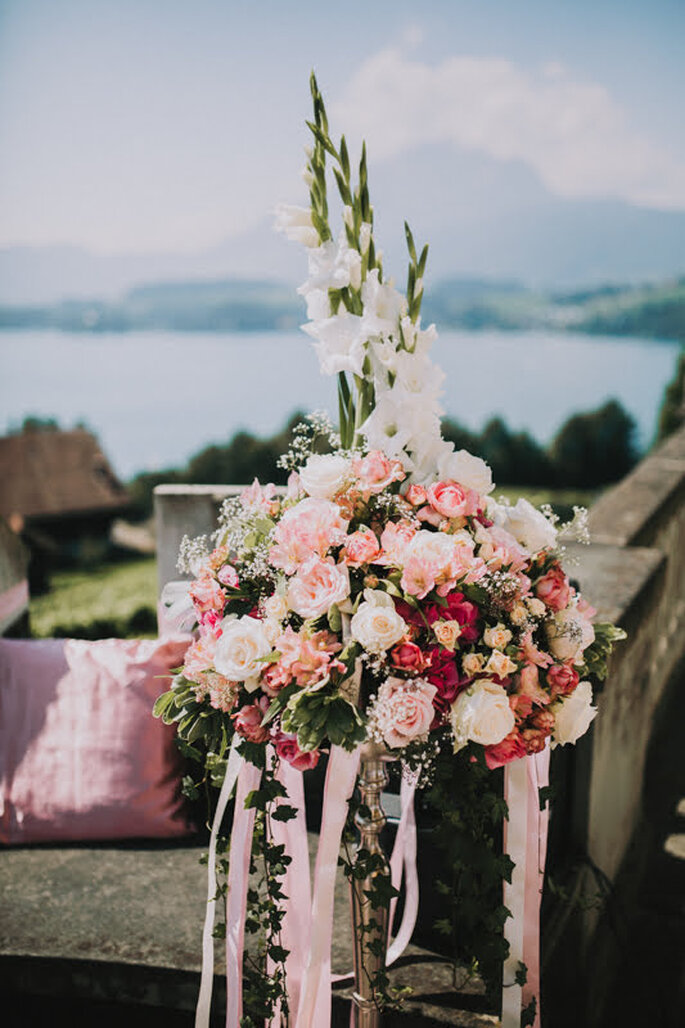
<point x="314" y="1009"/>
<point x="525" y="840"/>
<point x="238" y="873"/>
<point x="404" y="859"/>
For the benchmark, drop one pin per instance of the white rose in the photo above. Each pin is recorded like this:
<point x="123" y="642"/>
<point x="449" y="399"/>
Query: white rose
<point x="469" y="471"/>
<point x="324" y="475"/>
<point x="481" y="714"/>
<point x="530" y="527"/>
<point x="569" y="634"/>
<point x="377" y="626"/>
<point x="296" y="223"/>
<point x="573" y="715"/>
<point x="242" y="643"/>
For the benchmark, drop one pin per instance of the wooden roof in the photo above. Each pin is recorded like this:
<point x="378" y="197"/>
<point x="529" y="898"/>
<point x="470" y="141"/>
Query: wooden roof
<point x="53" y="473"/>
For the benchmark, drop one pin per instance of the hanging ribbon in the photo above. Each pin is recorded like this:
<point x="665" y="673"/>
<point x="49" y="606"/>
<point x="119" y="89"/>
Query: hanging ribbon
<point x="525" y="840"/>
<point x="315" y="1000"/>
<point x="296" y="927"/>
<point x="404" y="858"/>
<point x="202" y="1011"/>
<point x="238" y="874"/>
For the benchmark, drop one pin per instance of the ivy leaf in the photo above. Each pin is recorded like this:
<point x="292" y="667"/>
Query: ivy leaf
<point x="284" y="813"/>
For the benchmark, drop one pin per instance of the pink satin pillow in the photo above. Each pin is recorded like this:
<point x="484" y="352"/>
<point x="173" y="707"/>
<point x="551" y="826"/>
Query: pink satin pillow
<point x="81" y="756"/>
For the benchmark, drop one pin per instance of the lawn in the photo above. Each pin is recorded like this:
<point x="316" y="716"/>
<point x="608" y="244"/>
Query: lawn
<point x="110" y="599"/>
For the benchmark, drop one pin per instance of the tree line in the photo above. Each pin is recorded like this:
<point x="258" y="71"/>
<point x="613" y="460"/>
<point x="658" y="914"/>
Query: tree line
<point x="591" y="449"/>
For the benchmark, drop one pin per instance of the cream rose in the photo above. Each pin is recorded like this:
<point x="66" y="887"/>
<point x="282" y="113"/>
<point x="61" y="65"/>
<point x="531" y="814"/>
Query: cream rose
<point x="481" y="714"/>
<point x="529" y="526"/>
<point x="447" y="633"/>
<point x="472" y="664"/>
<point x="497" y="637"/>
<point x="242" y="644"/>
<point x="324" y="475"/>
<point x="499" y="664"/>
<point x="377" y="626"/>
<point x="573" y="715"/>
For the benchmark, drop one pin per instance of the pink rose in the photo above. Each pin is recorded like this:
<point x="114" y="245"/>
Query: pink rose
<point x="312" y="526"/>
<point x="288" y="750"/>
<point x="375" y="472"/>
<point x="361" y="547"/>
<point x="554" y="589"/>
<point x="317" y="585"/>
<point x="562" y="679"/>
<point x="452" y="500"/>
<point x="416" y="495"/>
<point x="207" y="594"/>
<point x="228" y="575"/>
<point x="404" y="710"/>
<point x="395" y="539"/>
<point x="248" y="721"/>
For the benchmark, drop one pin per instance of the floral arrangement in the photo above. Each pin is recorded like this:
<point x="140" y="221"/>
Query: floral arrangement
<point x="385" y="594"/>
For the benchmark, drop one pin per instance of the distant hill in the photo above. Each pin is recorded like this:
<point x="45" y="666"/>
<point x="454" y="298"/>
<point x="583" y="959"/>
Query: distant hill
<point x="244" y="305"/>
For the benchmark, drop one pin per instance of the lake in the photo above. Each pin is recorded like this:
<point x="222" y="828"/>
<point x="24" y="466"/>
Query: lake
<point x="156" y="398"/>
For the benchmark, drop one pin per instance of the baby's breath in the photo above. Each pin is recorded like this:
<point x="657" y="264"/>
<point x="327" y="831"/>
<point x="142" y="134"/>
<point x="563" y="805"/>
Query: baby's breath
<point x="192" y="554"/>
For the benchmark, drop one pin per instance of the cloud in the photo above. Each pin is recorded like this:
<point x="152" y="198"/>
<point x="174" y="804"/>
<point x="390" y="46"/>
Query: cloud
<point x="571" y="133"/>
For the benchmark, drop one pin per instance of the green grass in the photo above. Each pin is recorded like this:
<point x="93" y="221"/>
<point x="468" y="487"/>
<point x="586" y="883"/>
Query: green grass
<point x="109" y="596"/>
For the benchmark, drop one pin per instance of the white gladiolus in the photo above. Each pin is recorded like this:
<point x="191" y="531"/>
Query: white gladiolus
<point x="573" y="715"/>
<point x="339" y="343"/>
<point x="296" y="223"/>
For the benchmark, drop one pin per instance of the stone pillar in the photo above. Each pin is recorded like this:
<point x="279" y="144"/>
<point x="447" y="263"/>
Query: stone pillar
<point x="180" y="510"/>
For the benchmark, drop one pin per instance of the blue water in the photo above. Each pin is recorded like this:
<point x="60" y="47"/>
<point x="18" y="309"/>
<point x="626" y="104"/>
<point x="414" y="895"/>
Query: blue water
<point x="156" y="398"/>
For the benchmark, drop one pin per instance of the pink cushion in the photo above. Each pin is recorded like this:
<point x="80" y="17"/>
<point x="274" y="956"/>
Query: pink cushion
<point x="81" y="756"/>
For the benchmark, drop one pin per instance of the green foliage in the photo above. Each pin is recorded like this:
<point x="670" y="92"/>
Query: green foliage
<point x="672" y="412"/>
<point x="466" y="804"/>
<point x="595" y="448"/>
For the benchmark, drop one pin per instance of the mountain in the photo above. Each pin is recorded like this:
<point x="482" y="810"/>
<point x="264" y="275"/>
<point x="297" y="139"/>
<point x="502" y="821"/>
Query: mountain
<point x="481" y="217"/>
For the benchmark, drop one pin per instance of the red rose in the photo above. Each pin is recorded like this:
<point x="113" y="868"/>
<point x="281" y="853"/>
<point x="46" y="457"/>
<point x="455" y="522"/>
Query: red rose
<point x="407" y="656"/>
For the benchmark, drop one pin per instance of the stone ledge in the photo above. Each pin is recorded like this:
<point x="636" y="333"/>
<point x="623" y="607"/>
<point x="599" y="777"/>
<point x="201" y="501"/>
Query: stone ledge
<point x="628" y="513"/>
<point x="614" y="580"/>
<point x="88" y="924"/>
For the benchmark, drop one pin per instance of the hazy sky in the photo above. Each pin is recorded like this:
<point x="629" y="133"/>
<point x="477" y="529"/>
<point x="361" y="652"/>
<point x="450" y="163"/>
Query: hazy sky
<point x="140" y="125"/>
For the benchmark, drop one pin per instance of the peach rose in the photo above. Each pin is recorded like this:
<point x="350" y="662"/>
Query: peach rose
<point x="361" y="547"/>
<point x="317" y="585"/>
<point x="447" y="633"/>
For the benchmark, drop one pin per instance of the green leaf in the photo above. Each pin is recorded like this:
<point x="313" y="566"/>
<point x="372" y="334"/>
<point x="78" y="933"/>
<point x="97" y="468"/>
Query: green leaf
<point x="284" y="813"/>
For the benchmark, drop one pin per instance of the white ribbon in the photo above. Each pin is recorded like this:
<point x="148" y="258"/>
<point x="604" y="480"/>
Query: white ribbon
<point x="204" y="1002"/>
